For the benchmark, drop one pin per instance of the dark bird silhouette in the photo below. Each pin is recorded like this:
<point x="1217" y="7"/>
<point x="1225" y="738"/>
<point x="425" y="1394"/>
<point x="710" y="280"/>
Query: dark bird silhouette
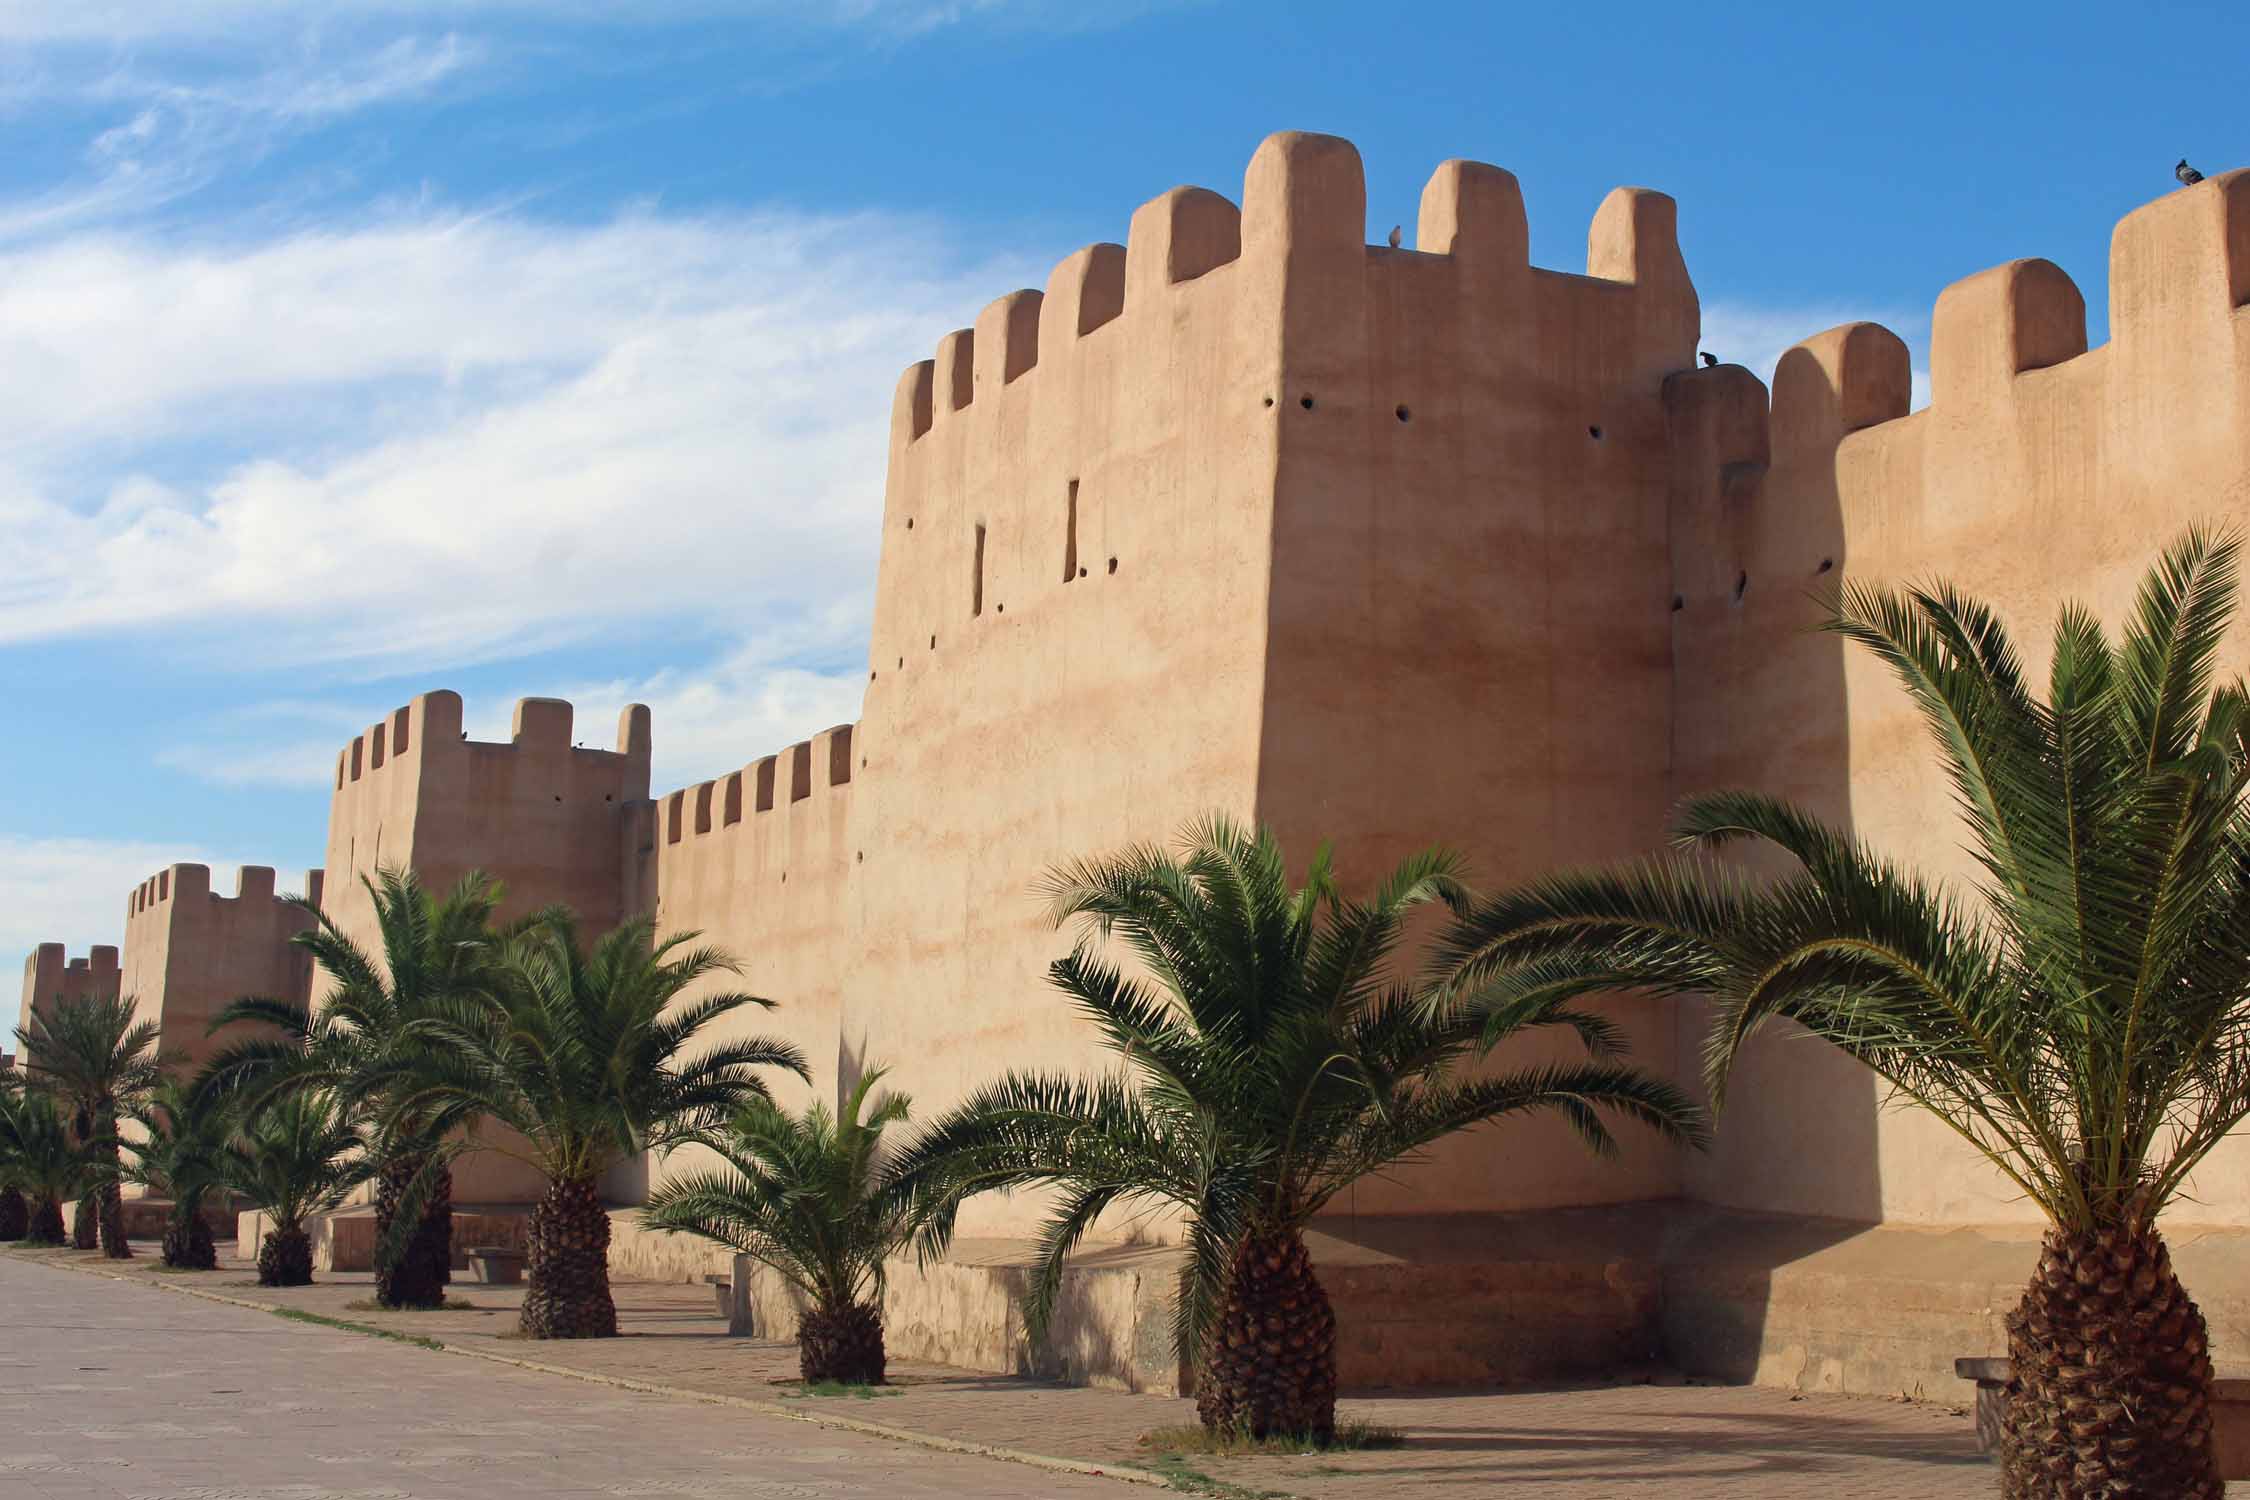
<point x="1395" y="235"/>
<point x="2188" y="176"/>
<point x="1709" y="360"/>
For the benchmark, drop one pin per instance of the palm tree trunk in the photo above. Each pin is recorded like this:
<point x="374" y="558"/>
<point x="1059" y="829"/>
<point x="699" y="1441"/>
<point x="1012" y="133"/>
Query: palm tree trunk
<point x="566" y="1295"/>
<point x="113" y="1223"/>
<point x="187" y="1241"/>
<point x="285" y="1257"/>
<point x="15" y="1214"/>
<point x="1269" y="1366"/>
<point x="841" y="1341"/>
<point x="85" y="1217"/>
<point x="418" y="1277"/>
<point x="46" y="1223"/>
<point x="2112" y="1388"/>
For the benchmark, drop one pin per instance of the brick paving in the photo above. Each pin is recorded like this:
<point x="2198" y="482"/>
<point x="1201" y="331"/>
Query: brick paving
<point x="1682" y="1442"/>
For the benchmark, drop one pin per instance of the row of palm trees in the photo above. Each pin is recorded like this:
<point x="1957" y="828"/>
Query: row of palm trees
<point x="2078" y="1015"/>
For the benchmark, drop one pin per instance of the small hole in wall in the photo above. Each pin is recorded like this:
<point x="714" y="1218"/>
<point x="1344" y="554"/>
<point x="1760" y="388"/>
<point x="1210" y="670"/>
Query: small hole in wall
<point x="909" y="523"/>
<point x="1678" y="603"/>
<point x="1269" y="400"/>
<point x="871" y="677"/>
<point x="1082" y="572"/>
<point x="902" y="664"/>
<point x="1826" y="563"/>
<point x="1404" y="414"/>
<point x="933" y="643"/>
<point x="863" y="762"/>
<point x="1595" y="433"/>
<point x="784" y="877"/>
<point x="1741" y="584"/>
<point x="999" y="609"/>
<point x="1305" y="402"/>
<point x="558" y="798"/>
<point x="1113" y="565"/>
<point x="860" y="858"/>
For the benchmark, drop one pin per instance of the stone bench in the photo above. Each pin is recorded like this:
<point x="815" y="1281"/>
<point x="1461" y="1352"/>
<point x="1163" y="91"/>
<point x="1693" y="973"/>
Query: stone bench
<point x="733" y="1293"/>
<point x="497" y="1265"/>
<point x="2230" y="1412"/>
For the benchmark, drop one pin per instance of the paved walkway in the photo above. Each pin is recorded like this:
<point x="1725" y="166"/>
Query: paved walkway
<point x="1680" y="1442"/>
<point x="115" y="1391"/>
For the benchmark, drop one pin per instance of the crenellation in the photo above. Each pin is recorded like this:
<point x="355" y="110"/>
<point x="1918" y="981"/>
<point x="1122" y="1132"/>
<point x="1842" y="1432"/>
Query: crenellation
<point x="1085" y="291"/>
<point x="1834" y="384"/>
<point x="1179" y="236"/>
<point x="1008" y="333"/>
<point x="1473" y="212"/>
<point x="1991" y="327"/>
<point x="913" y="402"/>
<point x="956" y="362"/>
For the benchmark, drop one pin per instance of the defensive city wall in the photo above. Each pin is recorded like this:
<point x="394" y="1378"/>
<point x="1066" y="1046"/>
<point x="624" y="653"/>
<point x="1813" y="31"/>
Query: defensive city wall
<point x="1387" y="547"/>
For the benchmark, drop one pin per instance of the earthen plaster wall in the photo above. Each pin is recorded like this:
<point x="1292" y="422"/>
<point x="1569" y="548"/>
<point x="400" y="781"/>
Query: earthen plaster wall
<point x="548" y="817"/>
<point x="51" y="976"/>
<point x="2041" y="471"/>
<point x="189" y="953"/>
<point x="1245" y="514"/>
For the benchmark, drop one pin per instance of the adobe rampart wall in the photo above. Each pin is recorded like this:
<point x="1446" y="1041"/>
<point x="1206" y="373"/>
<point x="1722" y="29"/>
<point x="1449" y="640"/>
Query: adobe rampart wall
<point x="51" y="976"/>
<point x="2041" y="471"/>
<point x="190" y="953"/>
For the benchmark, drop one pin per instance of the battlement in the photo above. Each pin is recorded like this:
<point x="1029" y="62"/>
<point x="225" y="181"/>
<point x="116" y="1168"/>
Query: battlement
<point x="1156" y="418"/>
<point x="1303" y="213"/>
<point x="186" y="882"/>
<point x="429" y="729"/>
<point x="805" y="769"/>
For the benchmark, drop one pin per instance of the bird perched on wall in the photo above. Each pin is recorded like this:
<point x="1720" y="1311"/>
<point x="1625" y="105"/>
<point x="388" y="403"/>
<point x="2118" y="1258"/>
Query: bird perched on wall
<point x="1396" y="236"/>
<point x="2188" y="176"/>
<point x="1710" y="360"/>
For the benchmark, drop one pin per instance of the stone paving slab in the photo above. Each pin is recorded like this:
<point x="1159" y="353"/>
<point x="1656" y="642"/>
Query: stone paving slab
<point x="1693" y="1442"/>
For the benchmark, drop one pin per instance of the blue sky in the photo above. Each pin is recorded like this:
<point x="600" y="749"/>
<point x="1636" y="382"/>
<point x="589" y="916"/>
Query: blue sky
<point x="353" y="348"/>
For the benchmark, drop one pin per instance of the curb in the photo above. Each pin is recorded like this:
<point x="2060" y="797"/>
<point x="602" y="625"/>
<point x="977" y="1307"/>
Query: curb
<point x="1127" y="1473"/>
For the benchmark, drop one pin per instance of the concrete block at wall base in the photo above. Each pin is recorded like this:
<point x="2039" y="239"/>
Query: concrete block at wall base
<point x="146" y="1218"/>
<point x="345" y="1240"/>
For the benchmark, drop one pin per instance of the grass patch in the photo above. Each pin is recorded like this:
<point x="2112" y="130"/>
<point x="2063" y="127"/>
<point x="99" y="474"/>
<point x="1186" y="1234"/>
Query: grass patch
<point x="798" y="1390"/>
<point x="451" y="1304"/>
<point x="299" y="1315"/>
<point x="160" y="1269"/>
<point x="1351" y="1437"/>
<point x="1185" y="1477"/>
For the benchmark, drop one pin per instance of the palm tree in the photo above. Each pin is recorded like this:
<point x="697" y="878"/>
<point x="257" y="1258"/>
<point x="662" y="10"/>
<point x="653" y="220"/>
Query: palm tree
<point x="100" y="1061"/>
<point x="1274" y="1061"/>
<point x="2081" y="1018"/>
<point x="179" y="1154"/>
<point x="300" y="1155"/>
<point x="573" y="1051"/>
<point x="43" y="1153"/>
<point x="15" y="1213"/>
<point x="816" y="1197"/>
<point x="434" y="953"/>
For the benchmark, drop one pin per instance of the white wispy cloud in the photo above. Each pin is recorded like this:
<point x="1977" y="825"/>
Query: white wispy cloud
<point x="521" y="433"/>
<point x="123" y="22"/>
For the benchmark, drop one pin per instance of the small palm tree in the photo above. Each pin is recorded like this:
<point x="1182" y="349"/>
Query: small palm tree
<point x="2082" y="1019"/>
<point x="574" y="1052"/>
<point x="99" y="1059"/>
<point x="15" y="1212"/>
<point x="1273" y="1062"/>
<point x="46" y="1156"/>
<point x="301" y="1155"/>
<point x="178" y="1154"/>
<point x="818" y="1198"/>
<point x="435" y="954"/>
